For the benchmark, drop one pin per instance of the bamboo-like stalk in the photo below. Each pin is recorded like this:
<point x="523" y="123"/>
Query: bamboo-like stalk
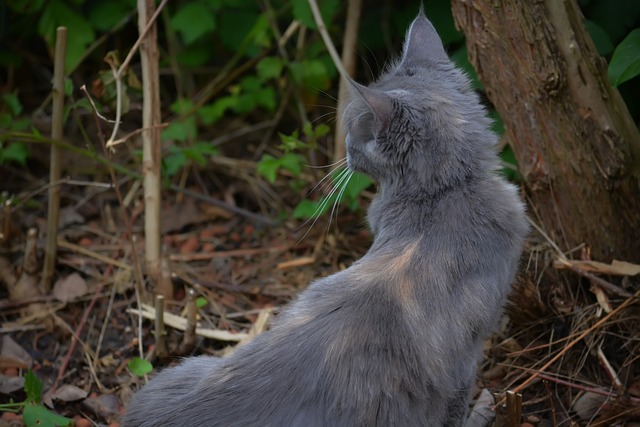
<point x="57" y="118"/>
<point x="159" y="333"/>
<point x="151" y="145"/>
<point x="349" y="61"/>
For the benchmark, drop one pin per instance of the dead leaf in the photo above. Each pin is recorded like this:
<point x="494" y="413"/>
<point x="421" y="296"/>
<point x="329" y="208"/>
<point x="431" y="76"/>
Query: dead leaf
<point x="68" y="216"/>
<point x="616" y="268"/>
<point x="105" y="405"/>
<point x="69" y="287"/>
<point x="588" y="404"/>
<point x="178" y="216"/>
<point x="9" y="384"/>
<point x="482" y="413"/>
<point x="69" y="393"/>
<point x="12" y="355"/>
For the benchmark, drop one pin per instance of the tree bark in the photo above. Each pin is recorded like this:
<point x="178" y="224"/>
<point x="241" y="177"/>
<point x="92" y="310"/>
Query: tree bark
<point x="573" y="137"/>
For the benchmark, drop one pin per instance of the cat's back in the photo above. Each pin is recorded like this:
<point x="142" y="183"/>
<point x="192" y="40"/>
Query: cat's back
<point x="342" y="355"/>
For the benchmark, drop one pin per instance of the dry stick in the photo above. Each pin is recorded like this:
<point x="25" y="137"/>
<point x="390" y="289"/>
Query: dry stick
<point x="28" y="137"/>
<point x="587" y="388"/>
<point x="189" y="337"/>
<point x="322" y="29"/>
<point x="598" y="281"/>
<point x="592" y="328"/>
<point x="75" y="337"/>
<point x="348" y="60"/>
<point x="159" y="333"/>
<point x="139" y="280"/>
<point x="117" y="74"/>
<point x="151" y="147"/>
<point x="57" y="118"/>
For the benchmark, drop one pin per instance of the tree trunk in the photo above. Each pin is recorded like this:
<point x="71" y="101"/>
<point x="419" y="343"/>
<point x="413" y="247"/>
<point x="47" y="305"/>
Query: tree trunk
<point x="576" y="144"/>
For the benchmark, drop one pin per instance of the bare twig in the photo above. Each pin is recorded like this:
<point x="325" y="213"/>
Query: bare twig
<point x="57" y="119"/>
<point x="151" y="147"/>
<point x="159" y="332"/>
<point x="348" y="60"/>
<point x="579" y="338"/>
<point x="189" y="337"/>
<point x="180" y="323"/>
<point x="322" y="29"/>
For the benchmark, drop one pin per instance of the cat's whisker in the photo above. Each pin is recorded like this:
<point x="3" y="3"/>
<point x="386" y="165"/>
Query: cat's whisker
<point x="323" y="204"/>
<point x="340" y="185"/>
<point x="324" y="181"/>
<point x="336" y="202"/>
<point x="315" y="216"/>
<point x="330" y="165"/>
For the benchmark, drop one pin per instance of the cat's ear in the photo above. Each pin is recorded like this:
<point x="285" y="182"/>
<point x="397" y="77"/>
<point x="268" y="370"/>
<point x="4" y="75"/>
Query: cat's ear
<point x="422" y="44"/>
<point x="380" y="104"/>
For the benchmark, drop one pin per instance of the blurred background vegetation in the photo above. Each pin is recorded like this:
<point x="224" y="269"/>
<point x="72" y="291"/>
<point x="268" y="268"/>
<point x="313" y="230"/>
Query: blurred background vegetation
<point x="240" y="79"/>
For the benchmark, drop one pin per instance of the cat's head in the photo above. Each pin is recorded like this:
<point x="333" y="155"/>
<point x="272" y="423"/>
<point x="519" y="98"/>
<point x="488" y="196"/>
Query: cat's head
<point x="420" y="124"/>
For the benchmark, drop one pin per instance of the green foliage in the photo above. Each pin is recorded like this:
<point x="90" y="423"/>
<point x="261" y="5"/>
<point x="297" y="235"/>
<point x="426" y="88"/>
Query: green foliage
<point x="10" y="111"/>
<point x="625" y="62"/>
<point x="33" y="413"/>
<point x="193" y="20"/>
<point x="269" y="166"/>
<point x="302" y="11"/>
<point x="140" y="367"/>
<point x="600" y="38"/>
<point x="347" y="189"/>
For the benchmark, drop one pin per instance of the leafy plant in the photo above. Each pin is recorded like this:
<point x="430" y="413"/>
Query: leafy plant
<point x="10" y="120"/>
<point x="625" y="62"/>
<point x="346" y="188"/>
<point x="140" y="367"/>
<point x="33" y="412"/>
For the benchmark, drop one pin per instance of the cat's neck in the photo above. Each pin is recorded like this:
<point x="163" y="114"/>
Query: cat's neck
<point x="404" y="212"/>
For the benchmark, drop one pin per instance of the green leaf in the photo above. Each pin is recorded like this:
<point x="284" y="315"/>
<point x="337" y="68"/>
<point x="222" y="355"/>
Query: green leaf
<point x="180" y="130"/>
<point x="625" y="62"/>
<point x="358" y="183"/>
<point x="194" y="55"/>
<point x="302" y="12"/>
<point x="198" y="151"/>
<point x="600" y="38"/>
<point x="307" y="209"/>
<point x="174" y="161"/>
<point x="15" y="152"/>
<point x="201" y="302"/>
<point x="312" y="73"/>
<point x="268" y="167"/>
<point x="292" y="162"/>
<point x="79" y="32"/>
<point x="12" y="101"/>
<point x="25" y="6"/>
<point x="497" y="125"/>
<point x="182" y="106"/>
<point x="192" y="21"/>
<point x="291" y="142"/>
<point x="235" y="26"/>
<point x="68" y="86"/>
<point x="107" y="14"/>
<point x="32" y="387"/>
<point x="269" y="68"/>
<point x="213" y="112"/>
<point x="140" y="367"/>
<point x="510" y="168"/>
<point x="37" y="415"/>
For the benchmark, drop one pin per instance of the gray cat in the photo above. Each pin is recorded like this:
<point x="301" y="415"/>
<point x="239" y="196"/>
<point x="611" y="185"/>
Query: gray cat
<point x="393" y="340"/>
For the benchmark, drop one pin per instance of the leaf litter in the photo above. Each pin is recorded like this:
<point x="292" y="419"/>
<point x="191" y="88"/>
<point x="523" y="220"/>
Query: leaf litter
<point x="243" y="271"/>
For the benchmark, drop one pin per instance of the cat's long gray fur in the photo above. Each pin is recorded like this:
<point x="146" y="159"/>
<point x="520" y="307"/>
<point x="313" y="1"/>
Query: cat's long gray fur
<point x="393" y="340"/>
